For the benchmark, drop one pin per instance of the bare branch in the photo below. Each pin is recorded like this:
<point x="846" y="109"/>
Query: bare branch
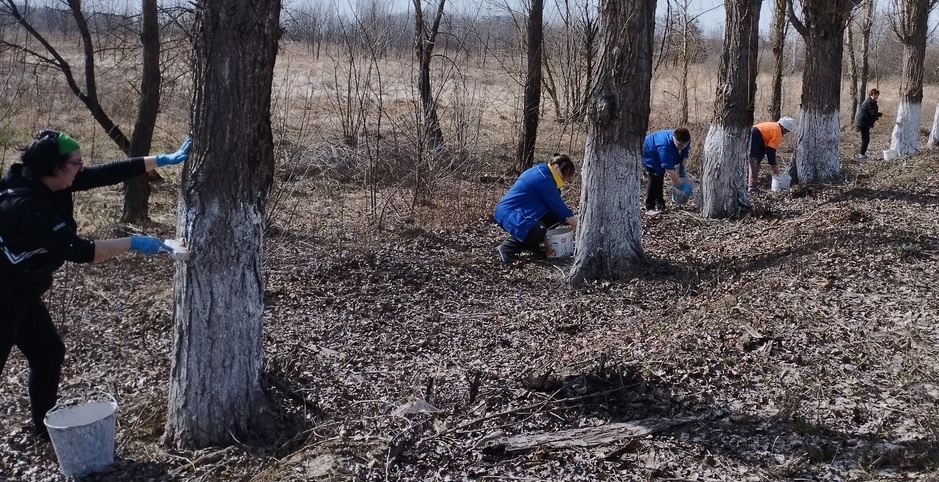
<point x="794" y="20"/>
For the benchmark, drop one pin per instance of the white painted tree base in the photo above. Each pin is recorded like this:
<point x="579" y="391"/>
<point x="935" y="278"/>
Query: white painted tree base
<point x="934" y="133"/>
<point x="905" y="137"/>
<point x="817" y="157"/>
<point x="724" y="171"/>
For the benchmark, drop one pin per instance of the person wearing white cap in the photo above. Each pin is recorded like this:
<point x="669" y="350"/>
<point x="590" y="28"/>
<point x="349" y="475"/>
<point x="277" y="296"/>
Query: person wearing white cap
<point x="765" y="138"/>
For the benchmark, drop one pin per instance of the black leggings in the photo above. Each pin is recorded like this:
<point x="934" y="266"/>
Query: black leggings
<point x="534" y="237"/>
<point x="865" y="139"/>
<point x="26" y="324"/>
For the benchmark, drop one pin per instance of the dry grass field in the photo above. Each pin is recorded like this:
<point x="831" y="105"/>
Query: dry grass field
<point x="799" y="343"/>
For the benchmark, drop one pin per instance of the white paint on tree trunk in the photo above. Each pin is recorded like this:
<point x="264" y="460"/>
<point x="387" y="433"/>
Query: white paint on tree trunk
<point x="723" y="175"/>
<point x="816" y="155"/>
<point x="905" y="137"/>
<point x="609" y="233"/>
<point x="934" y="133"/>
<point x="219" y="313"/>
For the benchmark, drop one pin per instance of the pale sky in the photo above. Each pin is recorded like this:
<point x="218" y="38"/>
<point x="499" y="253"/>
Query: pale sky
<point x="711" y="12"/>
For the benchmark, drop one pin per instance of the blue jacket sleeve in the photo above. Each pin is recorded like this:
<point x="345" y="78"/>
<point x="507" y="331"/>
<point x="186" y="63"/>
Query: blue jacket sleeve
<point x="670" y="157"/>
<point x="551" y="196"/>
<point x="667" y="157"/>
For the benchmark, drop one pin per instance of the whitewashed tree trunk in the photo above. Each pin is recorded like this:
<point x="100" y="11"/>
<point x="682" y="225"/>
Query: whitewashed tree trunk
<point x="911" y="29"/>
<point x="724" y="171"/>
<point x="215" y="392"/>
<point x="726" y="147"/>
<point x="609" y="236"/>
<point x="905" y="136"/>
<point x="934" y="133"/>
<point x="816" y="157"/>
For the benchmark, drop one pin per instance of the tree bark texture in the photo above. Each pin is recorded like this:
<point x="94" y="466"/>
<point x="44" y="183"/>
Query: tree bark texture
<point x="425" y="38"/>
<point x="89" y="96"/>
<point x="778" y="42"/>
<point x="905" y="136"/>
<point x="853" y="71"/>
<point x="867" y="23"/>
<point x="137" y="190"/>
<point x="816" y="157"/>
<point x="911" y="29"/>
<point x="215" y="391"/>
<point x="609" y="233"/>
<point x="531" y="102"/>
<point x="726" y="147"/>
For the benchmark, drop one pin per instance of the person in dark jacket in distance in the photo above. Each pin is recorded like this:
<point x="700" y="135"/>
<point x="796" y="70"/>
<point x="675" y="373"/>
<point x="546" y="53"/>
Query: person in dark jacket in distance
<point x="38" y="234"/>
<point x="866" y="116"/>
<point x="664" y="153"/>
<point x="532" y="205"/>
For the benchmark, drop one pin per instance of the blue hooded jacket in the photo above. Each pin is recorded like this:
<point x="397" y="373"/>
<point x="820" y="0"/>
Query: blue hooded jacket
<point x="533" y="195"/>
<point x="659" y="153"/>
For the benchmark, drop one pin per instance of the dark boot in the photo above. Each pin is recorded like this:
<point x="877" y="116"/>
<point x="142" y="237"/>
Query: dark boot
<point x="508" y="251"/>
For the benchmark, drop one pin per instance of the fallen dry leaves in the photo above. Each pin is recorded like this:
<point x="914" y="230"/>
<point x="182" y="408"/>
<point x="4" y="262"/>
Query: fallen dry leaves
<point x="796" y="344"/>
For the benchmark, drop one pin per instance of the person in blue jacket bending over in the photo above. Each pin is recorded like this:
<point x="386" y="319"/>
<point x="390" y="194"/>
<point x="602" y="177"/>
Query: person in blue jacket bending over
<point x="532" y="205"/>
<point x="664" y="153"/>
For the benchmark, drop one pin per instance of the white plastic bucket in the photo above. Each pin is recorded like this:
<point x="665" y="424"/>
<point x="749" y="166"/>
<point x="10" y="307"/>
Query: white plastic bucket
<point x="559" y="242"/>
<point x="83" y="436"/>
<point x="781" y="182"/>
<point x="891" y="154"/>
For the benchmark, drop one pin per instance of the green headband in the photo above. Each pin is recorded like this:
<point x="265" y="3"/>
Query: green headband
<point x="66" y="144"/>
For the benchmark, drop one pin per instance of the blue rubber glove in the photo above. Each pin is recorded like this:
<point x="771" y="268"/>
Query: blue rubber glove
<point x="147" y="245"/>
<point x="686" y="188"/>
<point x="681" y="169"/>
<point x="175" y="158"/>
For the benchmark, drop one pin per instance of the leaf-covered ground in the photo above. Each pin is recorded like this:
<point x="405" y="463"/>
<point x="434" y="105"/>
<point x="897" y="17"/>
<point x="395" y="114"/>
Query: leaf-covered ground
<point x="799" y="343"/>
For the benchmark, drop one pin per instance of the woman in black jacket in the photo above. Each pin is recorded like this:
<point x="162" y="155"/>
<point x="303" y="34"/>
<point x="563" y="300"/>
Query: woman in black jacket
<point x="38" y="234"/>
<point x="867" y="115"/>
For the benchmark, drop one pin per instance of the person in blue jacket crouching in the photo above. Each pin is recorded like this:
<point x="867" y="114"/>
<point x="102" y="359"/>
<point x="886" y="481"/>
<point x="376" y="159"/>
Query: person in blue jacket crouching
<point x="664" y="153"/>
<point x="533" y="205"/>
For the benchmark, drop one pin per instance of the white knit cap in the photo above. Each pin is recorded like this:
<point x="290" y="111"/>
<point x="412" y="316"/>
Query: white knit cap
<point x="788" y="123"/>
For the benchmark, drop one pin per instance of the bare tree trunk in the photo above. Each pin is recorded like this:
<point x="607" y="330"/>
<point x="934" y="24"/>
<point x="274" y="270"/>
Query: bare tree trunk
<point x="431" y="137"/>
<point x="685" y="56"/>
<point x="853" y="71"/>
<point x="867" y="23"/>
<point x="424" y="41"/>
<point x="531" y="103"/>
<point x="90" y="95"/>
<point x="816" y="158"/>
<point x="215" y="391"/>
<point x="609" y="234"/>
<point x="779" y="29"/>
<point x="911" y="29"/>
<point x="726" y="147"/>
<point x="591" y="31"/>
<point x="137" y="190"/>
